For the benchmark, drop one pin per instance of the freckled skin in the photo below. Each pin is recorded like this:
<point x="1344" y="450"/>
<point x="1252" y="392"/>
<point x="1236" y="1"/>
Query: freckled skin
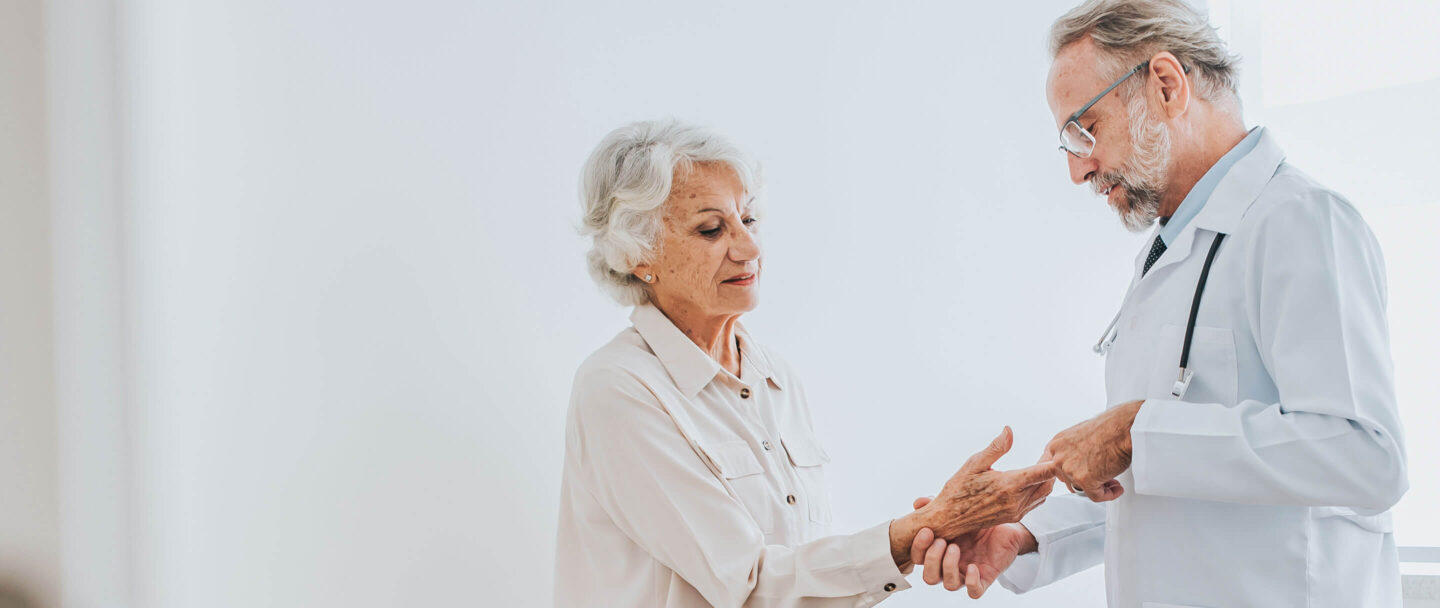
<point x="709" y="236"/>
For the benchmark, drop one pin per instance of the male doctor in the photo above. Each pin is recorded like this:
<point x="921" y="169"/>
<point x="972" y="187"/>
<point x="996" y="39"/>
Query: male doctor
<point x="1251" y="447"/>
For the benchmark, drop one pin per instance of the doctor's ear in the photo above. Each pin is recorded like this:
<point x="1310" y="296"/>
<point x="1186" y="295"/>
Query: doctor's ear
<point x="1169" y="84"/>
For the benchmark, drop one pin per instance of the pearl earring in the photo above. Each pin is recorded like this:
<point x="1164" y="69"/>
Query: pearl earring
<point x="649" y="278"/>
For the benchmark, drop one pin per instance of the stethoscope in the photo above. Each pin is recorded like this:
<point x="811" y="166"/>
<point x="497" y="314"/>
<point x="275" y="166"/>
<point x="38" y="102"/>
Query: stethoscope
<point x="1182" y="383"/>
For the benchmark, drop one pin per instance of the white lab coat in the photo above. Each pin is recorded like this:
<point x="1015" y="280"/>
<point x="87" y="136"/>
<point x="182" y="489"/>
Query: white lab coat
<point x="1269" y="483"/>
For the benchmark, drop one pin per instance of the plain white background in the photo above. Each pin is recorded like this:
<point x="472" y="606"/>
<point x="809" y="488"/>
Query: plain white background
<point x="340" y="293"/>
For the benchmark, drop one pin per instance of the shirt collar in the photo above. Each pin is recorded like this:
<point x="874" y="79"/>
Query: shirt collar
<point x="1226" y="205"/>
<point x="1203" y="189"/>
<point x="689" y="367"/>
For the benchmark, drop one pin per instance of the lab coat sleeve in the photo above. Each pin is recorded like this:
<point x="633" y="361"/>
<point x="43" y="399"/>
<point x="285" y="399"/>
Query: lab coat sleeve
<point x="1070" y="533"/>
<point x="659" y="493"/>
<point x="1315" y="300"/>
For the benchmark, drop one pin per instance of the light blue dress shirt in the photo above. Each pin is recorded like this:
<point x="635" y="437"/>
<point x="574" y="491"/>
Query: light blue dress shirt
<point x="1195" y="200"/>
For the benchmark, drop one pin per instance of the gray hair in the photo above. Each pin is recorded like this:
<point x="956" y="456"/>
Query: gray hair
<point x="1128" y="32"/>
<point x="624" y="187"/>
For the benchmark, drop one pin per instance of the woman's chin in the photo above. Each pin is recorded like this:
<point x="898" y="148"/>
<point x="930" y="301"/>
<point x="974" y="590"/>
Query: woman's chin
<point x="737" y="303"/>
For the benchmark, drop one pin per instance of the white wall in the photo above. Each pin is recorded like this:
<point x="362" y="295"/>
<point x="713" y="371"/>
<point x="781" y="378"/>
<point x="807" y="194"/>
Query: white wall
<point x="359" y="298"/>
<point x="350" y="295"/>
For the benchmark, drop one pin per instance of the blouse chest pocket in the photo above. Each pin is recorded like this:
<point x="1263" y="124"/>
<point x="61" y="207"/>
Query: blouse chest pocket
<point x="809" y="460"/>
<point x="743" y="473"/>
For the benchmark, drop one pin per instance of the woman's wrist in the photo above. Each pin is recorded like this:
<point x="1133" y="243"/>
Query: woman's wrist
<point x="902" y="535"/>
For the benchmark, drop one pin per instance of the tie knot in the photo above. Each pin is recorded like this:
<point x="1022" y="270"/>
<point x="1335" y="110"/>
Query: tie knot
<point x="1156" y="250"/>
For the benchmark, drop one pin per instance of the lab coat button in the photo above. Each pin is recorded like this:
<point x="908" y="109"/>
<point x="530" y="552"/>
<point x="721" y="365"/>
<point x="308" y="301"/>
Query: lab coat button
<point x="744" y="393"/>
<point x="766" y="445"/>
<point x="889" y="587"/>
<point x="790" y="499"/>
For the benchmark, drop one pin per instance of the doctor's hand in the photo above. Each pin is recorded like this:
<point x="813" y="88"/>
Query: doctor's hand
<point x="1089" y="456"/>
<point x="973" y="560"/>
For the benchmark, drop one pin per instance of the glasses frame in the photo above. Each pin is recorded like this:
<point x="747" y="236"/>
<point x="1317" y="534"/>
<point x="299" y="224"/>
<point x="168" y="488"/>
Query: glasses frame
<point x="1075" y="118"/>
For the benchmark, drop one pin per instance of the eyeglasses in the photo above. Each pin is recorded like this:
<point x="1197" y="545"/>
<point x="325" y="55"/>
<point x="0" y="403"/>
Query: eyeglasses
<point x="1078" y="141"/>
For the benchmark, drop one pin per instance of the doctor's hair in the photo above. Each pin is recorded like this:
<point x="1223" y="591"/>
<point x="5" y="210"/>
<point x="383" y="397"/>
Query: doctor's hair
<point x="625" y="184"/>
<point x="1127" y="32"/>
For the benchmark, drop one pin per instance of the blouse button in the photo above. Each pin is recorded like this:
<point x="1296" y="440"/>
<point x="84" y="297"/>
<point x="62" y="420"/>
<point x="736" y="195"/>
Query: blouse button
<point x="889" y="587"/>
<point x="790" y="499"/>
<point x="766" y="445"/>
<point x="744" y="393"/>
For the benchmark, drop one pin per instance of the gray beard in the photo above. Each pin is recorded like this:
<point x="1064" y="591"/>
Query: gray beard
<point x="1144" y="174"/>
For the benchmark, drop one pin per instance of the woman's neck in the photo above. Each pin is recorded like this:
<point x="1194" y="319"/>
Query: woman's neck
<point x="713" y="334"/>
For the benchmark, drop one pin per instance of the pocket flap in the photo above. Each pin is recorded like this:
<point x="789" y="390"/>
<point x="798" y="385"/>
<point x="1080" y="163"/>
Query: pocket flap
<point x="1380" y="523"/>
<point x="804" y="451"/>
<point x="734" y="459"/>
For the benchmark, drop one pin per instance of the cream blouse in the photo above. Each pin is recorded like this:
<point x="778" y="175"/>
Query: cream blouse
<point x="685" y="485"/>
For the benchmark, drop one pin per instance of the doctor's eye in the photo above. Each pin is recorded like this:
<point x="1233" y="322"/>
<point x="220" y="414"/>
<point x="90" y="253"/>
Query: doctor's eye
<point x="751" y="221"/>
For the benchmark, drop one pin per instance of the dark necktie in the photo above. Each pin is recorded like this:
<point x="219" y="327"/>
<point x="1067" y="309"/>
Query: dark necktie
<point x="1156" y="250"/>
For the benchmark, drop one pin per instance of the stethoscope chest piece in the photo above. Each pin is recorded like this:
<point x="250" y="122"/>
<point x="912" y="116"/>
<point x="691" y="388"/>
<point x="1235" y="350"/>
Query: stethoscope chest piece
<point x="1182" y="384"/>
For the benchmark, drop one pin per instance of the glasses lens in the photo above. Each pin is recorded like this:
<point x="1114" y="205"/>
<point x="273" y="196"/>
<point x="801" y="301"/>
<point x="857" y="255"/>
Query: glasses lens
<point x="1076" y="140"/>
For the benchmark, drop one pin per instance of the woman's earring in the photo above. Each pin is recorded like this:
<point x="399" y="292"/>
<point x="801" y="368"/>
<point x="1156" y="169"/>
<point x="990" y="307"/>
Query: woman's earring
<point x="649" y="278"/>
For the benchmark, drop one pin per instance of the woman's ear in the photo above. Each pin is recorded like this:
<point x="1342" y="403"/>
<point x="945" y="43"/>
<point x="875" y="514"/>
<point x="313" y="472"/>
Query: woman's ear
<point x="644" y="272"/>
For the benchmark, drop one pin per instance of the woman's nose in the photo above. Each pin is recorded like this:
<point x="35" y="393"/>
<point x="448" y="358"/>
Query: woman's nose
<point x="745" y="247"/>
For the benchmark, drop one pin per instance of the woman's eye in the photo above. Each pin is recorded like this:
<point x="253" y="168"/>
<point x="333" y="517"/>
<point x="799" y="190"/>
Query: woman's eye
<point x="750" y="221"/>
<point x="710" y="233"/>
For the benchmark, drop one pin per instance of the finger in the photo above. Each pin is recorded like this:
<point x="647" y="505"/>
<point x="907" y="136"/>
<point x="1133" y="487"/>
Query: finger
<point x="923" y="538"/>
<point x="1034" y="474"/>
<point x="951" y="565"/>
<point x="1066" y="479"/>
<point x="1105" y="492"/>
<point x="932" y="561"/>
<point x="983" y="459"/>
<point x="1033" y="504"/>
<point x="1112" y="490"/>
<point x="973" y="583"/>
<point x="922" y="501"/>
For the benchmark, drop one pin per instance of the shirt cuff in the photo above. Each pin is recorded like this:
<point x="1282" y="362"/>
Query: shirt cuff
<point x="1160" y="423"/>
<point x="1023" y="573"/>
<point x="1069" y="536"/>
<point x="875" y="566"/>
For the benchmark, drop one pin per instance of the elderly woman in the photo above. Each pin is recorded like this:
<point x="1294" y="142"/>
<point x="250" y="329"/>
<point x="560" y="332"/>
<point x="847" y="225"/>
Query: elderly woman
<point x="692" y="473"/>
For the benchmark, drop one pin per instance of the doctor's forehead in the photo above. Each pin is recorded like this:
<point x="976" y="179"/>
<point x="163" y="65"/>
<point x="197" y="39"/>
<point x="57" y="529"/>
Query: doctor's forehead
<point x="1074" y="79"/>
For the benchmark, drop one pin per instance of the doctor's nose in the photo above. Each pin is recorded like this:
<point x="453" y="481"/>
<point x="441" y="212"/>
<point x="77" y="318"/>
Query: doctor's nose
<point x="1081" y="169"/>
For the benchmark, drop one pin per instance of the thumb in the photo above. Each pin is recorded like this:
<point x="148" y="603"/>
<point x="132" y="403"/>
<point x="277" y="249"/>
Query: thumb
<point x="986" y="458"/>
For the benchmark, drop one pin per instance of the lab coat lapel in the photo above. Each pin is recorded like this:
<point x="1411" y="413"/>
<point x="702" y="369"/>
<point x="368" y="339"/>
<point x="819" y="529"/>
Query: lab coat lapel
<point x="1228" y="203"/>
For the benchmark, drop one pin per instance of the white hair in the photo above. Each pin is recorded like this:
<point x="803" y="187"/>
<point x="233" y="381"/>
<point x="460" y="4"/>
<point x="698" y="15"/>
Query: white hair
<point x="624" y="187"/>
<point x="1127" y="32"/>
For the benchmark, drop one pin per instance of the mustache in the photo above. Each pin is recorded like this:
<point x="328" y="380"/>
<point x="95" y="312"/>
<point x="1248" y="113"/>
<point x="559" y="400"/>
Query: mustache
<point x="1100" y="183"/>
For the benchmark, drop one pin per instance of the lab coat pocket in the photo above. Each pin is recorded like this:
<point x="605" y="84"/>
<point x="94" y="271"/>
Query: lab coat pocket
<point x="809" y="460"/>
<point x="1212" y="358"/>
<point x="743" y="473"/>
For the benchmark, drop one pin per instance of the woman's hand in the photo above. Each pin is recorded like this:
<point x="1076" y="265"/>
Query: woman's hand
<point x="979" y="497"/>
<point x="976" y="497"/>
